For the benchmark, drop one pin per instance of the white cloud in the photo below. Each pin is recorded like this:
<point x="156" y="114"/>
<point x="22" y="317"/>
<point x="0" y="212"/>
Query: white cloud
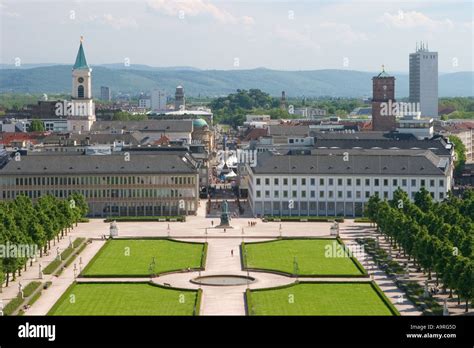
<point x="299" y="38"/>
<point x="6" y="13"/>
<point x="341" y="32"/>
<point x="414" y="19"/>
<point x="193" y="8"/>
<point x="115" y="22"/>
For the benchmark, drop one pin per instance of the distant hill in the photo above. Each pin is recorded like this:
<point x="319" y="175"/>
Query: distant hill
<point x="313" y="83"/>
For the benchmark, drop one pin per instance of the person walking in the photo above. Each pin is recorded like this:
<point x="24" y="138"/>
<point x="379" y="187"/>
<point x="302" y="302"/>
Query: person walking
<point x="232" y="252"/>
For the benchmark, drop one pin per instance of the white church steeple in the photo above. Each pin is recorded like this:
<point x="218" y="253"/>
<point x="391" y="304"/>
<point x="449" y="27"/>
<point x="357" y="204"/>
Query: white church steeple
<point x="82" y="114"/>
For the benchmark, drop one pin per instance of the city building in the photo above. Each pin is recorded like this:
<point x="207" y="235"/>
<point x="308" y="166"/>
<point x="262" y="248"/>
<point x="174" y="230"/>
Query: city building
<point x="158" y="101"/>
<point x="105" y="93"/>
<point x="330" y="182"/>
<point x="464" y="130"/>
<point x="309" y="112"/>
<point x="192" y="114"/>
<point x="424" y="80"/>
<point x="361" y="111"/>
<point x="179" y="99"/>
<point x="422" y="128"/>
<point x="139" y="184"/>
<point x="152" y="130"/>
<point x="144" y="102"/>
<point x="81" y="110"/>
<point x="383" y="94"/>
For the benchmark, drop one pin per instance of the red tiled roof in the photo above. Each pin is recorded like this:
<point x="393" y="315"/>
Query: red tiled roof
<point x="459" y="126"/>
<point x="8" y="138"/>
<point x="162" y="141"/>
<point x="255" y="133"/>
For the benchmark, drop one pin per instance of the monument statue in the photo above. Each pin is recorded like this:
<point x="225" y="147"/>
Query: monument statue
<point x="113" y="229"/>
<point x="224" y="214"/>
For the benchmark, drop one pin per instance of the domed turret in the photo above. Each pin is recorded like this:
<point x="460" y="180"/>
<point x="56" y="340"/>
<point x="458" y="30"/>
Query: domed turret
<point x="199" y="123"/>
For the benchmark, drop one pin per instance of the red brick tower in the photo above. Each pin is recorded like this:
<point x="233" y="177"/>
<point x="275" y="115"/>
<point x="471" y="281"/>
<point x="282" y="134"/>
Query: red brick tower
<point x="383" y="90"/>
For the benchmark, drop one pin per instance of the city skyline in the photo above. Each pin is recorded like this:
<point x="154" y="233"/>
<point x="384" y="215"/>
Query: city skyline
<point x="226" y="35"/>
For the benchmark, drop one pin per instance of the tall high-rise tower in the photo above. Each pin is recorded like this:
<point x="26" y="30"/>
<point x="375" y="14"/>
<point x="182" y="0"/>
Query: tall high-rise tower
<point x="283" y="100"/>
<point x="424" y="80"/>
<point x="81" y="115"/>
<point x="383" y="90"/>
<point x="158" y="100"/>
<point x="179" y="99"/>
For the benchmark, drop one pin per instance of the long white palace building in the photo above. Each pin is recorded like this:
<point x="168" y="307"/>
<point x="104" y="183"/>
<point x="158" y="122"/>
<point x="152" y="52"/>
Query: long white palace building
<point x="330" y="182"/>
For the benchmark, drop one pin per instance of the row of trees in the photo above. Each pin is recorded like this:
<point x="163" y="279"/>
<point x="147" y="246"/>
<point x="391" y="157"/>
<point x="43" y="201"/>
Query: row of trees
<point x="23" y="223"/>
<point x="233" y="108"/>
<point x="438" y="237"/>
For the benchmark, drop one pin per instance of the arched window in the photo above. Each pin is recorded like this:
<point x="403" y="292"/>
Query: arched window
<point x="80" y="91"/>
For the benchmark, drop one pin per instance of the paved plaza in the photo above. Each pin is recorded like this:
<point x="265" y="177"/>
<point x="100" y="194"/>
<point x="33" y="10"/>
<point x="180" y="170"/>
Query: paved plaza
<point x="223" y="258"/>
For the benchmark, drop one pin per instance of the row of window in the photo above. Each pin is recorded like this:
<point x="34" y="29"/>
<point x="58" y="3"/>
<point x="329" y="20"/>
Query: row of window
<point x="350" y="181"/>
<point x="330" y="194"/>
<point x="109" y="193"/>
<point x="98" y="180"/>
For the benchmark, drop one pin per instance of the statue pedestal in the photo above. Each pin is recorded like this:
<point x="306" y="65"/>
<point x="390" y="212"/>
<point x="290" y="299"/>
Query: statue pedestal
<point x="224" y="226"/>
<point x="225" y="221"/>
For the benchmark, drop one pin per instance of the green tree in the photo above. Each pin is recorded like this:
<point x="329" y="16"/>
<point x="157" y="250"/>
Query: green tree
<point x="423" y="200"/>
<point x="36" y="126"/>
<point x="460" y="151"/>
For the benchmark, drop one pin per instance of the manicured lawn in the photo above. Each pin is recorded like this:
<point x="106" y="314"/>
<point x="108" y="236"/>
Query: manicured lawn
<point x="131" y="257"/>
<point x="319" y="299"/>
<point x="314" y="257"/>
<point x="124" y="299"/>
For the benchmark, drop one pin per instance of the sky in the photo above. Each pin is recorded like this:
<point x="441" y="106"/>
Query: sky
<point x="235" y="34"/>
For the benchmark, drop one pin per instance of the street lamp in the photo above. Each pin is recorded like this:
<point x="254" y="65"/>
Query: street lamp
<point x="295" y="267"/>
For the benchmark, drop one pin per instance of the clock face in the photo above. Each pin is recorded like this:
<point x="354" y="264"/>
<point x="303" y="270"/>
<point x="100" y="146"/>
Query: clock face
<point x="80" y="80"/>
<point x="384" y="87"/>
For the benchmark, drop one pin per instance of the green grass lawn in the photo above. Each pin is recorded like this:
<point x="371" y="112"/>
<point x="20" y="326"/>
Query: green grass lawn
<point x="124" y="299"/>
<point x="319" y="299"/>
<point x="132" y="257"/>
<point x="311" y="255"/>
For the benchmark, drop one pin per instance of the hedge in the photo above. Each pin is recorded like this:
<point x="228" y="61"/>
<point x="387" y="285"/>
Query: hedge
<point x="181" y="218"/>
<point x="412" y="289"/>
<point x="197" y="304"/>
<point x="53" y="265"/>
<point x="30" y="288"/>
<point x="15" y="303"/>
<point x="363" y="219"/>
<point x="12" y="306"/>
<point x="306" y="218"/>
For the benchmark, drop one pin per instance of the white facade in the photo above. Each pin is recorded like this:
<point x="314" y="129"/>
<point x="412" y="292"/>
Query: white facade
<point x="310" y="112"/>
<point x="144" y="103"/>
<point x="325" y="195"/>
<point x="158" y="100"/>
<point x="421" y="128"/>
<point x="424" y="81"/>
